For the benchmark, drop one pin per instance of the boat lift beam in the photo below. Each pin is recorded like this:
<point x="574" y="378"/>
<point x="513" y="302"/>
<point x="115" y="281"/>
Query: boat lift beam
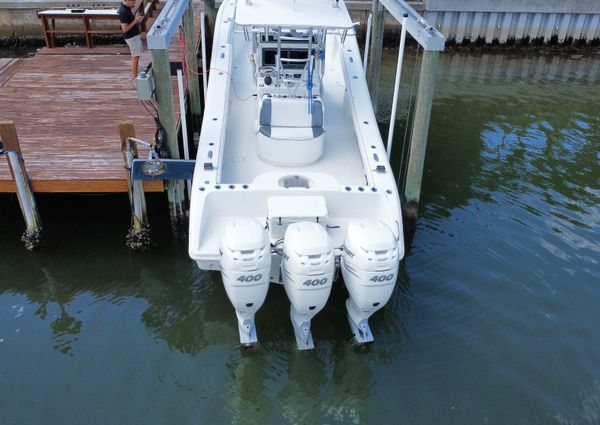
<point x="165" y="26"/>
<point x="426" y="35"/>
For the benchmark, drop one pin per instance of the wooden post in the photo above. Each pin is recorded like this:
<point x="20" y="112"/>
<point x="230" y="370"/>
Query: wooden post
<point x="418" y="142"/>
<point x="191" y="59"/>
<point x="211" y="18"/>
<point x="164" y="97"/>
<point x="138" y="238"/>
<point x="376" y="48"/>
<point x="32" y="237"/>
<point x="166" y="114"/>
<point x="86" y="33"/>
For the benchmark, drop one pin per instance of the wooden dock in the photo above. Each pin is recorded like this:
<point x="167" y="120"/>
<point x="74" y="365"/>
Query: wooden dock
<point x="7" y="67"/>
<point x="66" y="103"/>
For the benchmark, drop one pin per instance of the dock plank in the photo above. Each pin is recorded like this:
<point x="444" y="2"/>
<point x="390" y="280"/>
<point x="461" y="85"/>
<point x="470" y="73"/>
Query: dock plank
<point x="7" y="67"/>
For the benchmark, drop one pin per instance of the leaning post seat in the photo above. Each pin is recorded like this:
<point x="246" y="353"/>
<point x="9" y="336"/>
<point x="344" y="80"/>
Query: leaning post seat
<point x="288" y="135"/>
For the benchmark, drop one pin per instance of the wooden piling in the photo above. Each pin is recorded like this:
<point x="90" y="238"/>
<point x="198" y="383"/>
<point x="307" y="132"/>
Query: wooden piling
<point x="191" y="59"/>
<point x="418" y="142"/>
<point x="374" y="65"/>
<point x="32" y="237"/>
<point x="211" y="17"/>
<point x="164" y="100"/>
<point x="139" y="237"/>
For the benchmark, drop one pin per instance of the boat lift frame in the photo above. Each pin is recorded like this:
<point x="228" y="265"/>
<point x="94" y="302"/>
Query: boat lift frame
<point x="158" y="39"/>
<point x="432" y="42"/>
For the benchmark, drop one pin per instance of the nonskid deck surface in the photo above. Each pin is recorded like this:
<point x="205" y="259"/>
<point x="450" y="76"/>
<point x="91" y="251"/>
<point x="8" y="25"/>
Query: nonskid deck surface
<point x="241" y="164"/>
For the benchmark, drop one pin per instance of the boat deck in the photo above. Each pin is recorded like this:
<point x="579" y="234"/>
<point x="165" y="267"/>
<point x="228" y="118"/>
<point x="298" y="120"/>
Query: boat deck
<point x="341" y="158"/>
<point x="241" y="164"/>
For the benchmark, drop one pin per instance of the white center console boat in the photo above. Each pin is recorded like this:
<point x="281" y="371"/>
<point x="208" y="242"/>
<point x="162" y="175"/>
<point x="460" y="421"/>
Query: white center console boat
<point x="292" y="181"/>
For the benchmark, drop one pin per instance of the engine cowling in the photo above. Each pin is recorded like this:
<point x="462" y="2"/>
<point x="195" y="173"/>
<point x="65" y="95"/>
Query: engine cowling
<point x="369" y="266"/>
<point x="307" y="269"/>
<point x="245" y="268"/>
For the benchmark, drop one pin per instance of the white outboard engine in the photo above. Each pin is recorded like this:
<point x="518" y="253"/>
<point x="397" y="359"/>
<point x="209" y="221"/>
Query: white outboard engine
<point x="307" y="268"/>
<point x="245" y="266"/>
<point x="370" y="269"/>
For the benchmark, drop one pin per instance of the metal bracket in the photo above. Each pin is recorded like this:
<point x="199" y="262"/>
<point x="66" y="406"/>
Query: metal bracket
<point x="162" y="169"/>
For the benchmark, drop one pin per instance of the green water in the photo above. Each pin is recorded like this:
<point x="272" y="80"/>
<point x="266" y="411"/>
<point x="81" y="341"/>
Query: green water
<point x="494" y="319"/>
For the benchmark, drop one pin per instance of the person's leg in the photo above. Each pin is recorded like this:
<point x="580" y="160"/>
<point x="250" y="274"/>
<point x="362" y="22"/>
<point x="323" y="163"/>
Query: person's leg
<point x="134" y="66"/>
<point x="135" y="46"/>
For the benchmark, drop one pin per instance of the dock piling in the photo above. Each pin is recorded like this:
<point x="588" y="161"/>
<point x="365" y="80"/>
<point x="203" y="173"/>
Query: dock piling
<point x="32" y="237"/>
<point x="139" y="237"/>
<point x="166" y="114"/>
<point x="210" y="9"/>
<point x="418" y="142"/>
<point x="191" y="62"/>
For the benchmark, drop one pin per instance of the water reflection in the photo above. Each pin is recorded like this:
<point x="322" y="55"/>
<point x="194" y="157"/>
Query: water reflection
<point x="302" y="395"/>
<point x="351" y="388"/>
<point x="187" y="311"/>
<point x="497" y="127"/>
<point x="496" y="304"/>
<point x="65" y="327"/>
<point x="247" y="387"/>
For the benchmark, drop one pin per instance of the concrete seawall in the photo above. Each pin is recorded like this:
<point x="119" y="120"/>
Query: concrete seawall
<point x="491" y="20"/>
<point x="458" y="20"/>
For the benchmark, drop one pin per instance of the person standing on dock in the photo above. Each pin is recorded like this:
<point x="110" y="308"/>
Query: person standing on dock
<point x="131" y="33"/>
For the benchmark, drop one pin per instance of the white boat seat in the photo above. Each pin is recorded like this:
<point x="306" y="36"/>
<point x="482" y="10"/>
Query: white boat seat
<point x="288" y="135"/>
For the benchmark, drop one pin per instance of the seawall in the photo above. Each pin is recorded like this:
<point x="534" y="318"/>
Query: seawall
<point x="488" y="21"/>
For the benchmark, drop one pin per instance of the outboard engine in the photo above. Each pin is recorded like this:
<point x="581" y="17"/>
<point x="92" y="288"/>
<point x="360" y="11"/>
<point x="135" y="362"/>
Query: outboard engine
<point x="245" y="268"/>
<point x="307" y="268"/>
<point x="370" y="269"/>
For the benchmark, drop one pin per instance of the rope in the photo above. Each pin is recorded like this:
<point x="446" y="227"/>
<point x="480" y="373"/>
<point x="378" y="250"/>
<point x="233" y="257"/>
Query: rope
<point x="233" y="84"/>
<point x="187" y="67"/>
